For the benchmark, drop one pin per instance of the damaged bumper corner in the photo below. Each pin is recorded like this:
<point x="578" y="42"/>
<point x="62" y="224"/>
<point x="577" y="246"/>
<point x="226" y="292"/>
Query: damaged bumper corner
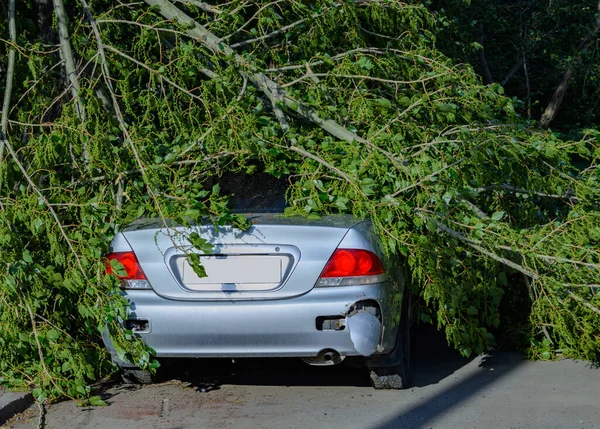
<point x="365" y="332"/>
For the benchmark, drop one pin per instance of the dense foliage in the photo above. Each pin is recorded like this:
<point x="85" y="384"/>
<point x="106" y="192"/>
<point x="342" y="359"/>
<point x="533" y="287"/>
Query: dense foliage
<point x="351" y="102"/>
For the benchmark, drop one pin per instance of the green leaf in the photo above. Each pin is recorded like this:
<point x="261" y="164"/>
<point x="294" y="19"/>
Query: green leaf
<point x="117" y="268"/>
<point x="383" y="102"/>
<point x="200" y="243"/>
<point x="37" y="224"/>
<point x="27" y="256"/>
<point x="431" y="225"/>
<point x="341" y="203"/>
<point x="170" y="157"/>
<point x="194" y="261"/>
<point x="97" y="402"/>
<point x="497" y="216"/>
<point x="447" y="107"/>
<point x="52" y="334"/>
<point x="447" y="197"/>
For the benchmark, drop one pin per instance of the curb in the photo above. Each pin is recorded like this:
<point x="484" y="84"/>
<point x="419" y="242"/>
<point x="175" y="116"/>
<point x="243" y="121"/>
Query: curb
<point x="12" y="403"/>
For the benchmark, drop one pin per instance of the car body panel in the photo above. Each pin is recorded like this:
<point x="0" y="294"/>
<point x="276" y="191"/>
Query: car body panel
<point x="274" y="328"/>
<point x="293" y="318"/>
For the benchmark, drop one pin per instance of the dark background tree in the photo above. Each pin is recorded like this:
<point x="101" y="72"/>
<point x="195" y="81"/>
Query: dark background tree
<point x="530" y="47"/>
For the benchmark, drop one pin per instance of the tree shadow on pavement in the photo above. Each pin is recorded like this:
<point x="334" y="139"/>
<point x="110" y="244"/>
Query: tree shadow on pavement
<point x="422" y="414"/>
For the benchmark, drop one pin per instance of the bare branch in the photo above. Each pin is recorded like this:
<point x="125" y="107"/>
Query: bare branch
<point x="326" y="164"/>
<point x="584" y="302"/>
<point x="46" y="203"/>
<point x="10" y="72"/>
<point x="252" y="18"/>
<point x="511" y="188"/>
<point x="66" y="54"/>
<point x="151" y="70"/>
<point x="480" y="213"/>
<point x="426" y="178"/>
<point x="567" y="261"/>
<point x="337" y="57"/>
<point x="278" y="31"/>
<point x="260" y="80"/>
<point x="360" y="76"/>
<point x="472" y="243"/>
<point x="108" y="82"/>
<point x="202" y="6"/>
<point x="513" y="70"/>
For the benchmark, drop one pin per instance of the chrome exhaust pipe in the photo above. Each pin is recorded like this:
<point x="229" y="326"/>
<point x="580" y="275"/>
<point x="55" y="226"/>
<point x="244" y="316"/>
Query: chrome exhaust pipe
<point x="325" y="357"/>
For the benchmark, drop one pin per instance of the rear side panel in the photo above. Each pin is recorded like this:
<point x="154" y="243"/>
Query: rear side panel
<point x="275" y="258"/>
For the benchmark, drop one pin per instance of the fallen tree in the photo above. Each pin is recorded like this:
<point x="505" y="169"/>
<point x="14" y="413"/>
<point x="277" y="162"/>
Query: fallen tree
<point x="350" y="101"/>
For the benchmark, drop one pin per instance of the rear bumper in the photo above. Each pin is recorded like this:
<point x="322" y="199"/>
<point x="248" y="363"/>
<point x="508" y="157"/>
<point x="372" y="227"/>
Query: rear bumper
<point x="266" y="328"/>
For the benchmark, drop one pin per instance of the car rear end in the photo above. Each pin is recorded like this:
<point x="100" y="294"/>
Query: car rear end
<point x="286" y="287"/>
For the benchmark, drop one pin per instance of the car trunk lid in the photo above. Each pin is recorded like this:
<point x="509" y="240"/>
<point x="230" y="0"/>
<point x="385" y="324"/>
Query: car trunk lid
<point x="275" y="258"/>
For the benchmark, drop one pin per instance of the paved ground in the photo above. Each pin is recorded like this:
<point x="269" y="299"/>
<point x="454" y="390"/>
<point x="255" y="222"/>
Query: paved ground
<point x="499" y="390"/>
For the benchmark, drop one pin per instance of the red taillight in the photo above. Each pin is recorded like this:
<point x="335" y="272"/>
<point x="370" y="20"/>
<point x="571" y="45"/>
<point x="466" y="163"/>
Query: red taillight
<point x="352" y="263"/>
<point x="130" y="264"/>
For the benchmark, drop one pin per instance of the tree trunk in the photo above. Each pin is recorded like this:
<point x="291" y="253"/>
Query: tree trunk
<point x="487" y="74"/>
<point x="559" y="94"/>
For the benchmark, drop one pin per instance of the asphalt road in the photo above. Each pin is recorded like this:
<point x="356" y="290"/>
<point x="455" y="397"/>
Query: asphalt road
<point x="496" y="390"/>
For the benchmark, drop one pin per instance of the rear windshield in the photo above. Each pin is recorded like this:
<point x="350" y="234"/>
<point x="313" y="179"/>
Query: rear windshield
<point x="254" y="193"/>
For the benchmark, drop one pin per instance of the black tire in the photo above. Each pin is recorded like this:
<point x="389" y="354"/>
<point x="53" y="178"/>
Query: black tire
<point x="397" y="376"/>
<point x="135" y="376"/>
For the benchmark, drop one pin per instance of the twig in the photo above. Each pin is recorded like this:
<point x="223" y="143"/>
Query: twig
<point x="325" y="164"/>
<point x="243" y="90"/>
<point x="525" y="191"/>
<point x="428" y="177"/>
<point x="592" y="285"/>
<point x="480" y="249"/>
<point x="360" y="76"/>
<point x="40" y="352"/>
<point x="334" y="58"/>
<point x="480" y="213"/>
<point x="46" y="202"/>
<point x="151" y="70"/>
<point x="278" y="31"/>
<point x="115" y="103"/>
<point x="513" y="70"/>
<point x="567" y="261"/>
<point x="252" y="18"/>
<point x="383" y="36"/>
<point x="400" y="115"/>
<point x="584" y="302"/>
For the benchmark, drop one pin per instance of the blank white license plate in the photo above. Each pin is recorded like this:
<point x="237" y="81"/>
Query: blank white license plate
<point x="240" y="272"/>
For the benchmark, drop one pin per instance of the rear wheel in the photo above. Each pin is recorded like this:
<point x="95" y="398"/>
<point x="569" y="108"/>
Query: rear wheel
<point x="397" y="376"/>
<point x="135" y="376"/>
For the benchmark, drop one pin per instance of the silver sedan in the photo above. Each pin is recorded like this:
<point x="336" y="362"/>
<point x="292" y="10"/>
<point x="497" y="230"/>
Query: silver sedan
<point x="286" y="287"/>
